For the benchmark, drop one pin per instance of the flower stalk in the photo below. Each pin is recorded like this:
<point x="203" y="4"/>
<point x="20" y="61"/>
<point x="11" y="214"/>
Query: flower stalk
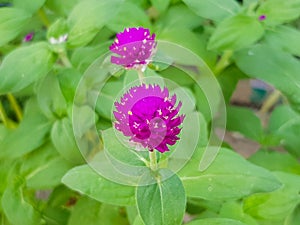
<point x="223" y="62"/>
<point x="152" y="154"/>
<point x="65" y="60"/>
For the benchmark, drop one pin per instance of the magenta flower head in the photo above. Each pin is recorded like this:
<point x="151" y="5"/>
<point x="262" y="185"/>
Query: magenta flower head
<point x="262" y="17"/>
<point x="134" y="47"/>
<point x="148" y="115"/>
<point x="28" y="37"/>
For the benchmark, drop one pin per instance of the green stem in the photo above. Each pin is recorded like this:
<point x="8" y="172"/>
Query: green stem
<point x="65" y="60"/>
<point x="270" y="102"/>
<point x="223" y="62"/>
<point x="153" y="160"/>
<point x="152" y="155"/>
<point x="44" y="18"/>
<point x="141" y="76"/>
<point x="3" y="116"/>
<point x="14" y="104"/>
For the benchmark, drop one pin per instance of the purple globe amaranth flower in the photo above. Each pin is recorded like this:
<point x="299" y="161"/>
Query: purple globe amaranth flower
<point x="147" y="114"/>
<point x="28" y="37"/>
<point x="134" y="46"/>
<point x="262" y="17"/>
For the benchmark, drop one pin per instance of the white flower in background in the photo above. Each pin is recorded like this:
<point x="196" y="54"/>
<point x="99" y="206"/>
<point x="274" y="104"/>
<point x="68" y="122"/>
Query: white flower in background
<point x="61" y="39"/>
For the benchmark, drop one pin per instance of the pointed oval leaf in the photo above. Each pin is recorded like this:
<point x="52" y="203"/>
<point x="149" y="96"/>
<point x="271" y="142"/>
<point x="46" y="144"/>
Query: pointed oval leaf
<point x="29" y="5"/>
<point x="63" y="139"/>
<point x="278" y="12"/>
<point x="213" y="9"/>
<point x="285" y="37"/>
<point x="86" y="181"/>
<point x="13" y="203"/>
<point x="24" y="66"/>
<point x="228" y="177"/>
<point x="163" y="202"/>
<point x="12" y="22"/>
<point x="235" y="33"/>
<point x="88" y="17"/>
<point x="273" y="66"/>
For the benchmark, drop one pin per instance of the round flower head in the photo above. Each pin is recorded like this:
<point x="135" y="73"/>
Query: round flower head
<point x="134" y="46"/>
<point x="28" y="37"/>
<point x="147" y="114"/>
<point x="262" y="17"/>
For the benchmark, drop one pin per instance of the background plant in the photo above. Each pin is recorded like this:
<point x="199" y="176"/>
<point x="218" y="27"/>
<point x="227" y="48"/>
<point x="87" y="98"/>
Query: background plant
<point x="44" y="178"/>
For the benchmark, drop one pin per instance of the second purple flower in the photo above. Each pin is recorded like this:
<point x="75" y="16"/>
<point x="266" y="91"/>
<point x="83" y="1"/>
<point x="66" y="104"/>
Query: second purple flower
<point x="134" y="47"/>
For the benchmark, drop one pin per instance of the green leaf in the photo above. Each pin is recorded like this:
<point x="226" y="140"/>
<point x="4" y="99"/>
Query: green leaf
<point x="244" y="121"/>
<point x="86" y="211"/>
<point x="216" y="221"/>
<point x="285" y="123"/>
<point x="130" y="15"/>
<point x="29" y="5"/>
<point x="13" y="203"/>
<point x="160" y="5"/>
<point x="272" y="66"/>
<point x="249" y="2"/>
<point x="170" y="19"/>
<point x="228" y="80"/>
<point x="55" y="215"/>
<point x="278" y="12"/>
<point x="277" y="205"/>
<point x="118" y="151"/>
<point x="235" y="33"/>
<point x="107" y="97"/>
<point x="88" y="17"/>
<point x="5" y="174"/>
<point x="163" y="202"/>
<point x="50" y="97"/>
<point x="276" y="161"/>
<point x="86" y="181"/>
<point x="57" y="29"/>
<point x="12" y="22"/>
<point x="228" y="177"/>
<point x="112" y="215"/>
<point x="29" y="135"/>
<point x="68" y="80"/>
<point x="196" y="44"/>
<point x="138" y="221"/>
<point x="61" y="9"/>
<point x="177" y="75"/>
<point x="234" y="210"/>
<point x="216" y="10"/>
<point x="83" y="57"/>
<point x="285" y="37"/>
<point x="85" y="119"/>
<point x="202" y="95"/>
<point x="15" y="72"/>
<point x="63" y="139"/>
<point x="49" y="174"/>
<point x="294" y="218"/>
<point x="44" y="168"/>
